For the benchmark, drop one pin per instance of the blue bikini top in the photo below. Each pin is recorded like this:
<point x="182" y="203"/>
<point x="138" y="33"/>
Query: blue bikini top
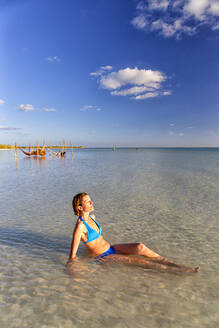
<point x="92" y="234"/>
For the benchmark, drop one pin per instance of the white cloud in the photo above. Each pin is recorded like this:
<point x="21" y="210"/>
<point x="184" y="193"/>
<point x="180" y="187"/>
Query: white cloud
<point x="172" y="29"/>
<point x="139" y="22"/>
<point x="159" y="24"/>
<point x="167" y="93"/>
<point x="214" y="8"/>
<point x="158" y="4"/>
<point x="172" y="124"/>
<point x="53" y="59"/>
<point x="143" y="83"/>
<point x="197" y="8"/>
<point x="102" y="70"/>
<point x="141" y="5"/>
<point x="2" y="101"/>
<point x="130" y="91"/>
<point x="215" y="27"/>
<point x="86" y="107"/>
<point x="48" y="109"/>
<point x="175" y="18"/>
<point x="134" y="76"/>
<point x="26" y="108"/>
<point x="90" y="107"/>
<point x="2" y="127"/>
<point x="106" y="68"/>
<point x="96" y="73"/>
<point x="146" y="96"/>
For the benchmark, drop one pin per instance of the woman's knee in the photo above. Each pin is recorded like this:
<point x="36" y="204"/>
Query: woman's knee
<point x="141" y="248"/>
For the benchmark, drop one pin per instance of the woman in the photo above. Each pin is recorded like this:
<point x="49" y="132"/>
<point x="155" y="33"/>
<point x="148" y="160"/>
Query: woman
<point x="89" y="231"/>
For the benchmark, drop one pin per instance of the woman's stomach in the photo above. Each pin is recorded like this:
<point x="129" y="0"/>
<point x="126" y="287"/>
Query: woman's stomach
<point x="98" y="246"/>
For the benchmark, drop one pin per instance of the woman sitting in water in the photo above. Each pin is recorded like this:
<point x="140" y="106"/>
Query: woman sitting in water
<point x="89" y="231"/>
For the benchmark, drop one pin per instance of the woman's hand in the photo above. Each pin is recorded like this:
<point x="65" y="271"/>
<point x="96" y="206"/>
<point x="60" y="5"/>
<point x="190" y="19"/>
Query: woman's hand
<point x="70" y="261"/>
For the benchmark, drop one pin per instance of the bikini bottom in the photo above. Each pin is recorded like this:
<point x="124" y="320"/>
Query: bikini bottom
<point x="110" y="251"/>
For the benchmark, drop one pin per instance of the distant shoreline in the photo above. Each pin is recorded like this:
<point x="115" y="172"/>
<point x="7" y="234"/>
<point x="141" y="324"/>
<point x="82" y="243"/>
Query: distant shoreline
<point x="155" y="148"/>
<point x="113" y="147"/>
<point x="9" y="147"/>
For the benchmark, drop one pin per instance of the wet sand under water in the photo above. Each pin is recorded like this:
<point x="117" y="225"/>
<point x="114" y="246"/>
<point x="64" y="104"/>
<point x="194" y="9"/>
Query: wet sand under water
<point x="167" y="199"/>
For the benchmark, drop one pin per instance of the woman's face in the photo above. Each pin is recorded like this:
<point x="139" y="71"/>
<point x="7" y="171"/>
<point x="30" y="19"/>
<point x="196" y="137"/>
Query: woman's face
<point x="86" y="204"/>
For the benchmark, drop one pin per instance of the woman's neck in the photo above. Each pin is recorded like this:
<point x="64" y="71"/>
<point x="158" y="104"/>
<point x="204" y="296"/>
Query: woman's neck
<point x="85" y="215"/>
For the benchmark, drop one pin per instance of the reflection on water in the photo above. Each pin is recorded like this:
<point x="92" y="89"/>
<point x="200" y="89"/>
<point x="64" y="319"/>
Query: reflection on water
<point x="39" y="162"/>
<point x="167" y="199"/>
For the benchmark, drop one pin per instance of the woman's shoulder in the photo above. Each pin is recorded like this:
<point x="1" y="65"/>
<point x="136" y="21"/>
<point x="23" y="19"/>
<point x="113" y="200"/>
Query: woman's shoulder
<point x="79" y="223"/>
<point x="79" y="226"/>
<point x="93" y="216"/>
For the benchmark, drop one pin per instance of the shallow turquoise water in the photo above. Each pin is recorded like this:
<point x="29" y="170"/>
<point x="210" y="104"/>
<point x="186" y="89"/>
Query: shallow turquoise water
<point x="165" y="198"/>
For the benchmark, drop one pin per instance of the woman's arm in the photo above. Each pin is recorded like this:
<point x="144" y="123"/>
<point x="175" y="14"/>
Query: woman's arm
<point x="76" y="238"/>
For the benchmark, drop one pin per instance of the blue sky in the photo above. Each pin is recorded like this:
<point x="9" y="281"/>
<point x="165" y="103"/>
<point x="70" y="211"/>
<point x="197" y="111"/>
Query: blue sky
<point x="105" y="72"/>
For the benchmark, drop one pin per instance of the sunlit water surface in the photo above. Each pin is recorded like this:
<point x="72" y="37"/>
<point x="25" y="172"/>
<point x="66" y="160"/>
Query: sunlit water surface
<point x="167" y="199"/>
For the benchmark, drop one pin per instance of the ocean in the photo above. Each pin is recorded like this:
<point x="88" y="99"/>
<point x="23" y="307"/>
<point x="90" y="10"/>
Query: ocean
<point x="164" y="198"/>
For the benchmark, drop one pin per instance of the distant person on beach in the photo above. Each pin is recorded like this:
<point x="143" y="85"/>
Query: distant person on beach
<point x="59" y="154"/>
<point x="89" y="231"/>
<point x="39" y="152"/>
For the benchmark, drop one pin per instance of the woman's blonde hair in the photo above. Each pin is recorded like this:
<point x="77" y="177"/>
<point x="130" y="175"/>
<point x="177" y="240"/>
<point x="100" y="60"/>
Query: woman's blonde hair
<point x="77" y="199"/>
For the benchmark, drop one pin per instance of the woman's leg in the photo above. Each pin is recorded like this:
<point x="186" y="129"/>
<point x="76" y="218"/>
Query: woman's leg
<point x="134" y="260"/>
<point x="135" y="249"/>
<point x="142" y="250"/>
